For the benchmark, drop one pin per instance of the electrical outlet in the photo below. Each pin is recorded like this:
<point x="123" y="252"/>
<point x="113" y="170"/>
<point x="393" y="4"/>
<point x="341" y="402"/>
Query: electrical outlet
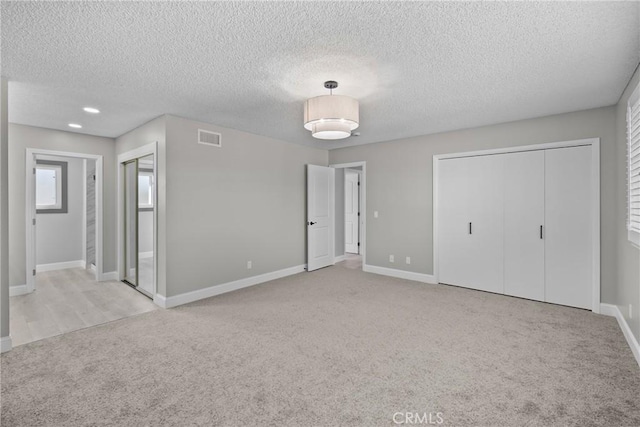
<point x="408" y="260"/>
<point x="392" y="258"/>
<point x="249" y="265"/>
<point x="630" y="311"/>
<point x="375" y="214"/>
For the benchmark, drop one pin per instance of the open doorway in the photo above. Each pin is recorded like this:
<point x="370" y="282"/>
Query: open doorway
<point x="63" y="213"/>
<point x="350" y="205"/>
<point x="64" y="290"/>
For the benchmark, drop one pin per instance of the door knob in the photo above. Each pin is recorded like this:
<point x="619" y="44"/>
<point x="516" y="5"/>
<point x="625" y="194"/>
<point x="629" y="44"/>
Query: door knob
<point x="311" y="223"/>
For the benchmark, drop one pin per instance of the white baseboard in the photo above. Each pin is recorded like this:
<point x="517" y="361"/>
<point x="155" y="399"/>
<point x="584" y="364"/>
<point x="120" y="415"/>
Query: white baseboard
<point x="142" y="255"/>
<point x="92" y="267"/>
<point x="339" y="258"/>
<point x="60" y="265"/>
<point x="5" y="344"/>
<point x="111" y="275"/>
<point x="14" y="291"/>
<point x="613" y="310"/>
<point x="176" y="300"/>
<point x="400" y="274"/>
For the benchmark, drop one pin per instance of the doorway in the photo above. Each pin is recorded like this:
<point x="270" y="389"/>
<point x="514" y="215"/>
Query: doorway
<point x="350" y="205"/>
<point x="53" y="179"/>
<point x="137" y="214"/>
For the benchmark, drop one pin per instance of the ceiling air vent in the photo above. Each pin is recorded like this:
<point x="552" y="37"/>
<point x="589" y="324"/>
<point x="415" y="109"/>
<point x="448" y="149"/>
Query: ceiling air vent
<point x="212" y="139"/>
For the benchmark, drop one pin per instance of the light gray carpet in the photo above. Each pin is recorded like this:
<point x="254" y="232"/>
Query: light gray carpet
<point x="332" y="347"/>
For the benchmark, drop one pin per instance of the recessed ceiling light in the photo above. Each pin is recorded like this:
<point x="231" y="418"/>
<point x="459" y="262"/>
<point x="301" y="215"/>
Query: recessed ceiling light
<point x="91" y="110"/>
<point x="75" y="125"/>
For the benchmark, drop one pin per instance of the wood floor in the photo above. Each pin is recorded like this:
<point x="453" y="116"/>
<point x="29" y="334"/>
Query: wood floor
<point x="68" y="300"/>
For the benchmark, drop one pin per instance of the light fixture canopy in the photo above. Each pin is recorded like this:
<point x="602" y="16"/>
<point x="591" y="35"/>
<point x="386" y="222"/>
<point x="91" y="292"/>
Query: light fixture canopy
<point x="75" y="126"/>
<point x="91" y="110"/>
<point x="331" y="116"/>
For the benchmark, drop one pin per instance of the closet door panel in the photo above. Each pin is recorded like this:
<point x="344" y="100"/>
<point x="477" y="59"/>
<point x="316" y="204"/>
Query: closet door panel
<point x="568" y="245"/>
<point x="523" y="216"/>
<point x="453" y="217"/>
<point x="486" y="207"/>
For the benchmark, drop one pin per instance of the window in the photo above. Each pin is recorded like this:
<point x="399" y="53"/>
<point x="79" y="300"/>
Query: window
<point x="633" y="147"/>
<point x="51" y="186"/>
<point x="145" y="189"/>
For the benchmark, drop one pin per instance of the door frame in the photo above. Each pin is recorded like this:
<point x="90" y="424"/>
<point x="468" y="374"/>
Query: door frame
<point x="30" y="210"/>
<point x="594" y="143"/>
<point x="363" y="205"/>
<point x="145" y="150"/>
<point x="359" y="173"/>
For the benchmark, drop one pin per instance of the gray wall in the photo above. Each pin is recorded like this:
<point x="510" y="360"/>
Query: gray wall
<point x="153" y="131"/>
<point x="400" y="184"/>
<point x="339" y="212"/>
<point x="22" y="137"/>
<point x="628" y="267"/>
<point x="59" y="235"/>
<point x="4" y="211"/>
<point x="226" y="206"/>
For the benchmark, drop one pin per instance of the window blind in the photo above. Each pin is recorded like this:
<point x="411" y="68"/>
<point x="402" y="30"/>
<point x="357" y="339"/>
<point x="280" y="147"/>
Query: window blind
<point x="633" y="146"/>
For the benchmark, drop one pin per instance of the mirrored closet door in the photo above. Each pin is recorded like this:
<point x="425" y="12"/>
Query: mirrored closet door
<point x="139" y="191"/>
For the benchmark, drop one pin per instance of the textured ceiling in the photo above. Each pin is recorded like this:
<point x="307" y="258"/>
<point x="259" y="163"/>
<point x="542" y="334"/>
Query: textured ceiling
<point x="417" y="68"/>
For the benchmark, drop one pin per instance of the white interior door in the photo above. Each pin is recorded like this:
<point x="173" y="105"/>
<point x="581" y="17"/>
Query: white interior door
<point x="568" y="222"/>
<point x="470" y="215"/>
<point x="320" y="216"/>
<point x="351" y="213"/>
<point x="453" y="222"/>
<point x="524" y="224"/>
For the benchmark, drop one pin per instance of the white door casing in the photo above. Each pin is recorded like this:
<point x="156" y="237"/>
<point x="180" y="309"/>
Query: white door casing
<point x="352" y="210"/>
<point x="320" y="216"/>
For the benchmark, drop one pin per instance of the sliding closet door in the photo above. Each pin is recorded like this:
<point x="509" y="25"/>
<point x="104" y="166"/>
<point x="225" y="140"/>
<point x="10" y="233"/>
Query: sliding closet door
<point x="486" y="208"/>
<point x="454" y="240"/>
<point x="131" y="222"/>
<point x="523" y="224"/>
<point x="568" y="245"/>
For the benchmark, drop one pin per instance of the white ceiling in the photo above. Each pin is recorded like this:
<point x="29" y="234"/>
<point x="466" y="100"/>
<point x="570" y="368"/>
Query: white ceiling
<point x="417" y="68"/>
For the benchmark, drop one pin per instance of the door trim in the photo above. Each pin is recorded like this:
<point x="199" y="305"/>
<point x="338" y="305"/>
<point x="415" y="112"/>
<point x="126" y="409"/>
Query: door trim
<point x="145" y="150"/>
<point x="363" y="204"/>
<point x="30" y="210"/>
<point x="594" y="143"/>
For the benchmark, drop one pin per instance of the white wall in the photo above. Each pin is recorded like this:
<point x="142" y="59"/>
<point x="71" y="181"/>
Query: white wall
<point x="22" y="137"/>
<point x="59" y="235"/>
<point x="400" y="183"/>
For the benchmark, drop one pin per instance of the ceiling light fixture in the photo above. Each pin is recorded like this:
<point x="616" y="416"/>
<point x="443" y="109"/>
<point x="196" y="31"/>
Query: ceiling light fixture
<point x="91" y="110"/>
<point x="75" y="126"/>
<point x="331" y="116"/>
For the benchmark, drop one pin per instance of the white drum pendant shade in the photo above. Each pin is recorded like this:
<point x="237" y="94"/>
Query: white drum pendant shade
<point x="331" y="116"/>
